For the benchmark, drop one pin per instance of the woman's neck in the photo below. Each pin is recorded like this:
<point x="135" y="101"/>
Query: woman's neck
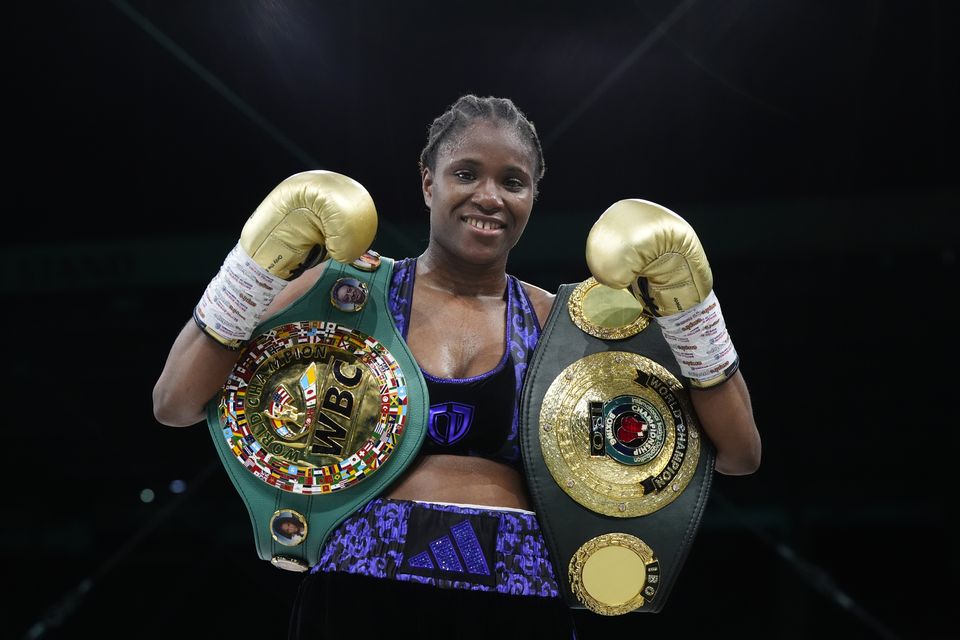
<point x="438" y="270"/>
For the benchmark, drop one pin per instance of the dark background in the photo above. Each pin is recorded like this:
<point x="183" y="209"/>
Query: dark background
<point x="812" y="144"/>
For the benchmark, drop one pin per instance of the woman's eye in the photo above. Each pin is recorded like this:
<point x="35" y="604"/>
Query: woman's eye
<point x="514" y="184"/>
<point x="464" y="175"/>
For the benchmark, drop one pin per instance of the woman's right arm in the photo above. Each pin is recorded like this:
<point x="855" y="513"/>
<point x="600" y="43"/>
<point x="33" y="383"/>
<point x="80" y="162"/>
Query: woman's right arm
<point x="197" y="366"/>
<point x="195" y="369"/>
<point x="309" y="212"/>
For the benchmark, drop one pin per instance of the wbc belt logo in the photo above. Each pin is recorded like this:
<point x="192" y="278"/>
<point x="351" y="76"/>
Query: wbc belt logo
<point x="313" y="407"/>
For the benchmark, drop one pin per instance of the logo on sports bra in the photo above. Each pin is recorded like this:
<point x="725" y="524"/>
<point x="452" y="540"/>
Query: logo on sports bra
<point x="449" y="422"/>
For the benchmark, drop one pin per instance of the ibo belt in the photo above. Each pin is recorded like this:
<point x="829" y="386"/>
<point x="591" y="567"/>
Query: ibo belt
<point x="616" y="465"/>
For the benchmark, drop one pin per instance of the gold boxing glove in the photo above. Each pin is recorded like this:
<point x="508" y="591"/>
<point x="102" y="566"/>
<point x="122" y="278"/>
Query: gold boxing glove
<point x="656" y="253"/>
<point x="305" y="218"/>
<point x="652" y="250"/>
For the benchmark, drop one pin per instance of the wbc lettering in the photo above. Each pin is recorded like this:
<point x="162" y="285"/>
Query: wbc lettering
<point x="304" y="392"/>
<point x="329" y="438"/>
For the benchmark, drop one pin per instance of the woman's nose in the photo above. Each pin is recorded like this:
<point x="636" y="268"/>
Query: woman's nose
<point x="487" y="195"/>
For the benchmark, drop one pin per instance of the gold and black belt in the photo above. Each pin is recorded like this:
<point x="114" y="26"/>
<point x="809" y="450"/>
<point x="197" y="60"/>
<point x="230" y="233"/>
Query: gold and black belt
<point x="616" y="463"/>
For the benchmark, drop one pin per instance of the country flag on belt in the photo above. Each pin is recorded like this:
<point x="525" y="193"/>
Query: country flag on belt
<point x="281" y="397"/>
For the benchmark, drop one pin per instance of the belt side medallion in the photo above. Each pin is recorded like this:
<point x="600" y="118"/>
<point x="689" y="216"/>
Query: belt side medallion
<point x="618" y="434"/>
<point x="605" y="313"/>
<point x="614" y="574"/>
<point x="314" y="407"/>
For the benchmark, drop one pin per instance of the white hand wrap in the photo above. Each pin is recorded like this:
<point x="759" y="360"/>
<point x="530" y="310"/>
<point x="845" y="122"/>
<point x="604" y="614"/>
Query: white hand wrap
<point x="236" y="298"/>
<point x="701" y="343"/>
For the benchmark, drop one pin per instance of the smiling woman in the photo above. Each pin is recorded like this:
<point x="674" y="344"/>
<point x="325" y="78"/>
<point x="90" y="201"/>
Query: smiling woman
<point x="456" y="517"/>
<point x="480" y="168"/>
<point x="471" y="328"/>
<point x="480" y="195"/>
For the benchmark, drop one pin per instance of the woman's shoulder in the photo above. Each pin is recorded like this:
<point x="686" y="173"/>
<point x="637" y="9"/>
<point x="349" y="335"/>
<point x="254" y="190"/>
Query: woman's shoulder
<point x="542" y="300"/>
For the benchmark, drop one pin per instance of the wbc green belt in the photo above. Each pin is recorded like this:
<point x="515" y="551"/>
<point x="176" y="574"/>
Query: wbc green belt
<point x="324" y="408"/>
<point x="617" y="467"/>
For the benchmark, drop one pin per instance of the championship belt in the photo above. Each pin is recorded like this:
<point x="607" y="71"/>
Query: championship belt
<point x="324" y="408"/>
<point x="616" y="464"/>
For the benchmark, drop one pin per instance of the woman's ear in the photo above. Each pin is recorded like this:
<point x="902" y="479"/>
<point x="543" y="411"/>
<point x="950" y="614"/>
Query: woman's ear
<point x="426" y="180"/>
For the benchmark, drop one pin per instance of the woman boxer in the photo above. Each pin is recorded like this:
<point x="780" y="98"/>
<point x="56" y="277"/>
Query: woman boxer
<point x="471" y="328"/>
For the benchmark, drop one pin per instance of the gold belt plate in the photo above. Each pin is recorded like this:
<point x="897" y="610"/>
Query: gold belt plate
<point x="314" y="407"/>
<point x="651" y="439"/>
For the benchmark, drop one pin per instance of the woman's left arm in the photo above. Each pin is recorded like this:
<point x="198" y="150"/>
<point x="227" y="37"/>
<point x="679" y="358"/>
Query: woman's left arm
<point x="727" y="418"/>
<point x="640" y="245"/>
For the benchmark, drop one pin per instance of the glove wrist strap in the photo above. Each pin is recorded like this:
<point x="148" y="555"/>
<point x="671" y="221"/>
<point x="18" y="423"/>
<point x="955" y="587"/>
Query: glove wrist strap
<point x="236" y="299"/>
<point x="701" y="343"/>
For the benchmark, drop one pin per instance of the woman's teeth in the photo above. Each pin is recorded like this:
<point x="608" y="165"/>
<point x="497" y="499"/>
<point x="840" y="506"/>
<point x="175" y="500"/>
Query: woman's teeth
<point x="483" y="224"/>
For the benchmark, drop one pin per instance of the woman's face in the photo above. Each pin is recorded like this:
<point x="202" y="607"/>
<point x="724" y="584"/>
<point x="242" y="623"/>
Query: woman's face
<point x="480" y="193"/>
<point x="350" y="294"/>
<point x="289" y="528"/>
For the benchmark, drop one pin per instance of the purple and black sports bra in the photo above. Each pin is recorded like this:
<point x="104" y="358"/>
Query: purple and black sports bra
<point x="475" y="416"/>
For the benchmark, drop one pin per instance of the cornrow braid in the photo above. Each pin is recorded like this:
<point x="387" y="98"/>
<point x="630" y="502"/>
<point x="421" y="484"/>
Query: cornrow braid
<point x="469" y="109"/>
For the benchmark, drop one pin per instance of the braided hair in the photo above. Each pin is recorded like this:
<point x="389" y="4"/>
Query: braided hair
<point x="469" y="109"/>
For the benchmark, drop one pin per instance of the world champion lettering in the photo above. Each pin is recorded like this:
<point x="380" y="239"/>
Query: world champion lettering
<point x="255" y="390"/>
<point x="258" y="429"/>
<point x="316" y="352"/>
<point x="663" y="479"/>
<point x="676" y="462"/>
<point x="648" y="380"/>
<point x="281" y="360"/>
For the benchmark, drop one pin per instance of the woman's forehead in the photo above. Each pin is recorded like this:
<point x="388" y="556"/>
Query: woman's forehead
<point x="488" y="141"/>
